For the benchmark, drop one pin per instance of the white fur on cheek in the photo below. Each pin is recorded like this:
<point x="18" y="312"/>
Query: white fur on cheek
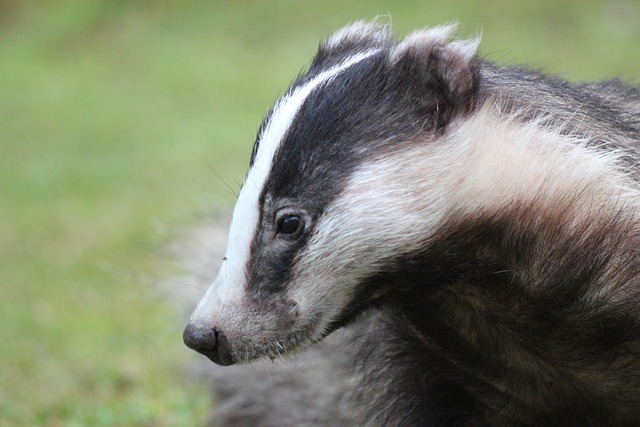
<point x="228" y="286"/>
<point x="379" y="216"/>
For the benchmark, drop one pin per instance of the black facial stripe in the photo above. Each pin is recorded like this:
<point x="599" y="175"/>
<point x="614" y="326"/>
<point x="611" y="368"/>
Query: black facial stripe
<point x="370" y="106"/>
<point x="272" y="256"/>
<point x="329" y="137"/>
<point x="339" y="124"/>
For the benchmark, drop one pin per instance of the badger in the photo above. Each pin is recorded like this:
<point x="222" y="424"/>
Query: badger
<point x="475" y="227"/>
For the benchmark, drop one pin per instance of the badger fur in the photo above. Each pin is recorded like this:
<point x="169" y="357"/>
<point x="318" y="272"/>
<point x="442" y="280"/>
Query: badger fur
<point x="476" y="226"/>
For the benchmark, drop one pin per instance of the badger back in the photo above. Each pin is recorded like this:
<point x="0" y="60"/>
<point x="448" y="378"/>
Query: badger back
<point x="311" y="226"/>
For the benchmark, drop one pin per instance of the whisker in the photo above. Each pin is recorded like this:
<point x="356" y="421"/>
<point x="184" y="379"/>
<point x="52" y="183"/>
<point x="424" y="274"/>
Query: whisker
<point x="226" y="186"/>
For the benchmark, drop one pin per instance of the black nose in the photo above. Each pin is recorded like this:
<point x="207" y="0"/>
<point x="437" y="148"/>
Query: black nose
<point x="208" y="341"/>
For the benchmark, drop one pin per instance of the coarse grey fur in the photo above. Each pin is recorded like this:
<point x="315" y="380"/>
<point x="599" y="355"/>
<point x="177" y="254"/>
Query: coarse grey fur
<point x="507" y="293"/>
<point x="570" y="107"/>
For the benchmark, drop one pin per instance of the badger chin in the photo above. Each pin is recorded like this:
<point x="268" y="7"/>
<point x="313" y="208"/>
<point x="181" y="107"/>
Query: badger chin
<point x="277" y="341"/>
<point x="294" y="342"/>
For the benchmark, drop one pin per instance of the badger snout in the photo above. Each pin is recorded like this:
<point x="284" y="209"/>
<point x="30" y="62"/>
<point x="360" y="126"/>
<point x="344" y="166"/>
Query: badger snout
<point x="208" y="341"/>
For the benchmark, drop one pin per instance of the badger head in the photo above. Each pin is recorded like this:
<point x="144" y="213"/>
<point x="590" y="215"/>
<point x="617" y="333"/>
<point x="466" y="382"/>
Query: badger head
<point x="331" y="198"/>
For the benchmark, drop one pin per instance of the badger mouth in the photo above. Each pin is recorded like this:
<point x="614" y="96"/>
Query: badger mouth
<point x="224" y="348"/>
<point x="297" y="340"/>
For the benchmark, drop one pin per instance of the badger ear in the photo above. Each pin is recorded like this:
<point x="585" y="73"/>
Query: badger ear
<point x="443" y="74"/>
<point x="359" y="35"/>
<point x="356" y="37"/>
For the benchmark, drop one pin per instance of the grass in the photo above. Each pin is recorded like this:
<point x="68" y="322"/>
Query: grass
<point x="113" y="115"/>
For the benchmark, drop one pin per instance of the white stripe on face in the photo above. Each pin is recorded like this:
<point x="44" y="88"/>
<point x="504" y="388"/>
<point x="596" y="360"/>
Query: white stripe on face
<point x="228" y="286"/>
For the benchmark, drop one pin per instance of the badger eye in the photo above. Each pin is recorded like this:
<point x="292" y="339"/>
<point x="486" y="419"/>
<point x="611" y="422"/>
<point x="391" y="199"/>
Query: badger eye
<point x="290" y="225"/>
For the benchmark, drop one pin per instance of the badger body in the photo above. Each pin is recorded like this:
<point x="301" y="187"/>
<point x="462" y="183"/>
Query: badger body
<point x="477" y="227"/>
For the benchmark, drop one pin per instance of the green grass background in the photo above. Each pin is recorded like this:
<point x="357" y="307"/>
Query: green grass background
<point x="116" y="118"/>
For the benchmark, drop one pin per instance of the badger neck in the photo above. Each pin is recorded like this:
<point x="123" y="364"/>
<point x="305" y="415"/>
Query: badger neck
<point x="528" y="285"/>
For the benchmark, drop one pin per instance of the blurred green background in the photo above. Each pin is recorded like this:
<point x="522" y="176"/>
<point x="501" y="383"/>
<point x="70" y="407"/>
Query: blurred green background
<point x="119" y="120"/>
